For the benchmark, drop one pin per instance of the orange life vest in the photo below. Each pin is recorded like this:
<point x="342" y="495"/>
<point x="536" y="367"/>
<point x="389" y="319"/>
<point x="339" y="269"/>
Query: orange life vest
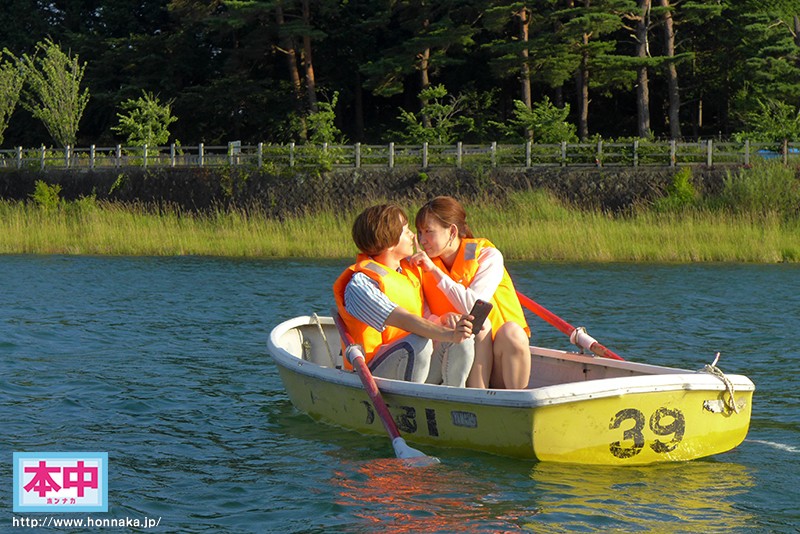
<point x="404" y="288"/>
<point x="506" y="304"/>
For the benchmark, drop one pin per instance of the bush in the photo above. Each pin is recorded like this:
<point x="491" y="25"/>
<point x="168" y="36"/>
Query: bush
<point x="766" y="188"/>
<point x="681" y="192"/>
<point x="47" y="196"/>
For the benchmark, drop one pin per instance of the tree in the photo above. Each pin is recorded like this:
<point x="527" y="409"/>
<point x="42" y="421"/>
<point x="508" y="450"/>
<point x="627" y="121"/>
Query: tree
<point x="588" y="26"/>
<point x="772" y="122"/>
<point x="53" y="94"/>
<point x="547" y="123"/>
<point x="444" y="116"/>
<point x="320" y="124"/>
<point x="512" y="52"/>
<point x="673" y="113"/>
<point x="642" y="79"/>
<point x="11" y="81"/>
<point x="145" y="121"/>
<point x="426" y="31"/>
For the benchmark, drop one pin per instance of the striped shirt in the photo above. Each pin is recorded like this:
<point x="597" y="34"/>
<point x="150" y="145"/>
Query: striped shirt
<point x="364" y="300"/>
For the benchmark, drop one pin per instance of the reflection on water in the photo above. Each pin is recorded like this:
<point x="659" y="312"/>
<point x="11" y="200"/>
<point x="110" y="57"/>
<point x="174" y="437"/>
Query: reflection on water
<point x="390" y="496"/>
<point x="689" y="497"/>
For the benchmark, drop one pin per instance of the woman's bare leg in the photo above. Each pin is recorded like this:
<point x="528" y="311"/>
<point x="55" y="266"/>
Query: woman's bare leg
<point x="512" y="358"/>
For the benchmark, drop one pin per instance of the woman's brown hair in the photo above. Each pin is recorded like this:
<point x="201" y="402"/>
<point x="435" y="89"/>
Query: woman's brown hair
<point x="448" y="211"/>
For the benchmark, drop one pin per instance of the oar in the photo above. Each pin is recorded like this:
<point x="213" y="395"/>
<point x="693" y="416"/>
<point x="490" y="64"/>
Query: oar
<point x="355" y="355"/>
<point x="577" y="336"/>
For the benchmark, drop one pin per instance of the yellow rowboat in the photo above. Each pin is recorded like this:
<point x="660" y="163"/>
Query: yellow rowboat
<point x="577" y="408"/>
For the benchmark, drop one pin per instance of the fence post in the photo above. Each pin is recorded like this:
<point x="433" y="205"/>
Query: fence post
<point x="785" y="152"/>
<point x="673" y="153"/>
<point x="200" y="154"/>
<point x="528" y="150"/>
<point x="563" y="153"/>
<point x="494" y="153"/>
<point x="358" y="155"/>
<point x="260" y="154"/>
<point x="291" y="154"/>
<point x="19" y="157"/>
<point x="66" y="156"/>
<point x="459" y="154"/>
<point x="709" y="150"/>
<point x="43" y="151"/>
<point x="747" y="152"/>
<point x="91" y="157"/>
<point x="425" y="155"/>
<point x="598" y="158"/>
<point x="635" y="152"/>
<point x="391" y="155"/>
<point x="172" y="154"/>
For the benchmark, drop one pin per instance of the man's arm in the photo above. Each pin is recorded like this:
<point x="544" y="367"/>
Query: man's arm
<point x="415" y="324"/>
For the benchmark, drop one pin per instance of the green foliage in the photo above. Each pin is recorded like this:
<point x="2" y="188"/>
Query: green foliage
<point x="772" y="122"/>
<point x="11" y="81"/>
<point x="442" y="112"/>
<point x="85" y="205"/>
<point x="53" y="93"/>
<point x="545" y="120"/>
<point x="145" y="121"/>
<point x="47" y="196"/>
<point x="766" y="188"/>
<point x="321" y="123"/>
<point x="681" y="192"/>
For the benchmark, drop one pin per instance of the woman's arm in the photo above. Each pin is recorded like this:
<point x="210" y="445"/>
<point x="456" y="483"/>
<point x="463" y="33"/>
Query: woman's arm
<point x="483" y="286"/>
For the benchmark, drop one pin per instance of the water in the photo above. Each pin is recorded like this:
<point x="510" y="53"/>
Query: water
<point x="162" y="363"/>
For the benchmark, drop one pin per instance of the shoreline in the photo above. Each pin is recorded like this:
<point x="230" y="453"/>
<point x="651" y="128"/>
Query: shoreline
<point x="529" y="226"/>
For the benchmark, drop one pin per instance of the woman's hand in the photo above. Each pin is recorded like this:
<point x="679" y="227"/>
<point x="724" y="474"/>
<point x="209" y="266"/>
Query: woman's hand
<point x="421" y="258"/>
<point x="450" y="319"/>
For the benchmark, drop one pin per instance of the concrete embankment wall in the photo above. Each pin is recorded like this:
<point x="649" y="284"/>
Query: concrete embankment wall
<point x="293" y="191"/>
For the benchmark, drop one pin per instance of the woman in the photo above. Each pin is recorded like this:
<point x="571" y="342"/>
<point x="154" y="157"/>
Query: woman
<point x="458" y="270"/>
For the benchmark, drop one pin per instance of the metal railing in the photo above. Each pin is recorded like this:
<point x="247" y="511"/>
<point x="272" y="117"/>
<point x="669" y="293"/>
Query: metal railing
<point x="601" y="154"/>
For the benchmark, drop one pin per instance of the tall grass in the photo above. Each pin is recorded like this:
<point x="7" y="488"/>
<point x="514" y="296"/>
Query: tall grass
<point x="737" y="226"/>
<point x="539" y="227"/>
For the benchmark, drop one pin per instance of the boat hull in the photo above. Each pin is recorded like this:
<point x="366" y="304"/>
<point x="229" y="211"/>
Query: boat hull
<point x="638" y="415"/>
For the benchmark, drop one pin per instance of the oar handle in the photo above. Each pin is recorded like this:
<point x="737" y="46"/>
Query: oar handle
<point x="355" y="355"/>
<point x="577" y="336"/>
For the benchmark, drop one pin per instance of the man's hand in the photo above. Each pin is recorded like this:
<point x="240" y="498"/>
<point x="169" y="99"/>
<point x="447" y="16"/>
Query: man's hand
<point x="463" y="329"/>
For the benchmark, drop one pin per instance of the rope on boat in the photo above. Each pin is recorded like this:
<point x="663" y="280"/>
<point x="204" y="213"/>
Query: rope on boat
<point x="716" y="371"/>
<point x="324" y="338"/>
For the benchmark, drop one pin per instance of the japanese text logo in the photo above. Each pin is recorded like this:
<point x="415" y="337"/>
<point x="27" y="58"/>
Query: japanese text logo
<point x="58" y="482"/>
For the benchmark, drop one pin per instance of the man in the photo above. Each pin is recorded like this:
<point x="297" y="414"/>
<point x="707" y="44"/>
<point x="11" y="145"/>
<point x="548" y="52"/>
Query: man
<point x="381" y="302"/>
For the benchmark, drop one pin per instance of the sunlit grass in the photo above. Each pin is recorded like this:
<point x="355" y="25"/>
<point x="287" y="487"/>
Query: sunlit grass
<point x="526" y="226"/>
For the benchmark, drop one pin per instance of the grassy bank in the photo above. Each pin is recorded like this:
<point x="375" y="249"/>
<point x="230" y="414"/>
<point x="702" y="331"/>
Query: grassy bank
<point x="526" y="226"/>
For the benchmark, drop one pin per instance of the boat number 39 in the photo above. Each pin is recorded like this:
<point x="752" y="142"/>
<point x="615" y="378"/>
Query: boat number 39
<point x="664" y="423"/>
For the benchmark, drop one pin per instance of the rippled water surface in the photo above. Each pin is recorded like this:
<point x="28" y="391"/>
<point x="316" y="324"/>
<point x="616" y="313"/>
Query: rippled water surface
<point x="162" y="363"/>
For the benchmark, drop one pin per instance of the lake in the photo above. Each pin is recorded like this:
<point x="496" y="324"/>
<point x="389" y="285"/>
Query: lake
<point x="162" y="363"/>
